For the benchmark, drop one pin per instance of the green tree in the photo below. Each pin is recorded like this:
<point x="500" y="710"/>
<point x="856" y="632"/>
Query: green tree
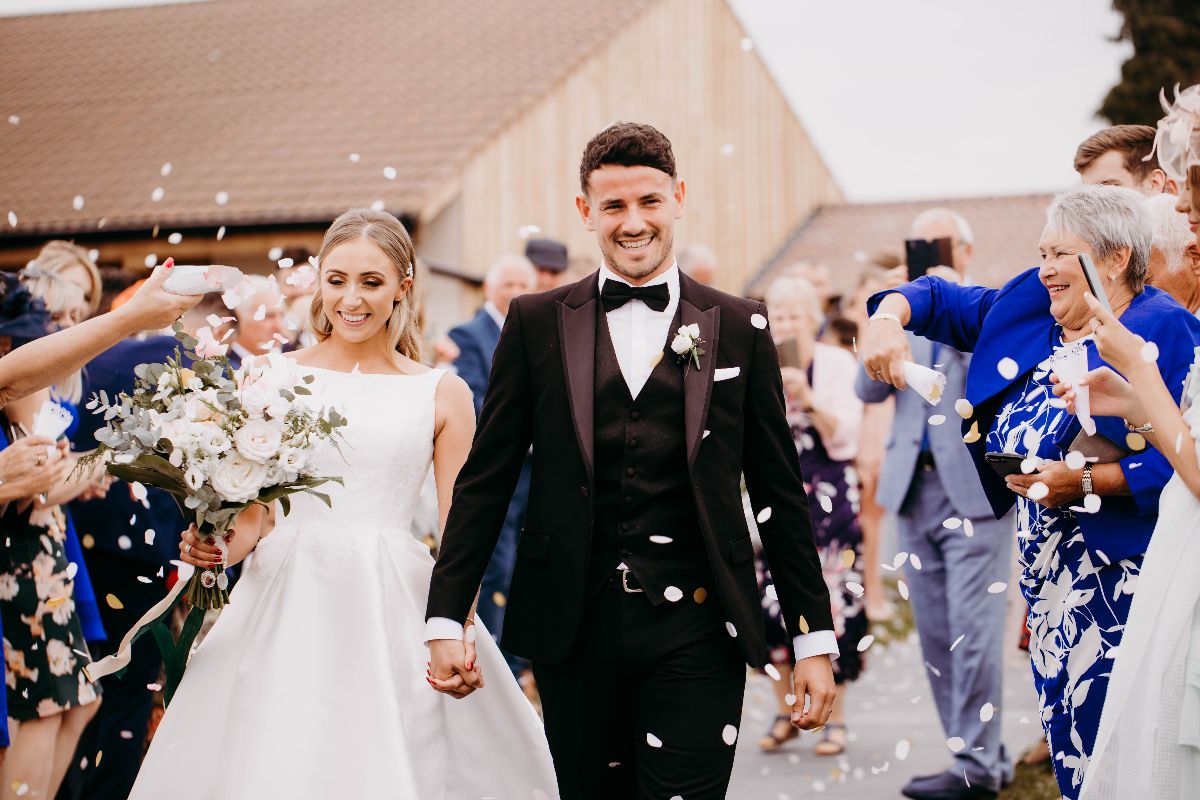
<point x="1166" y="50"/>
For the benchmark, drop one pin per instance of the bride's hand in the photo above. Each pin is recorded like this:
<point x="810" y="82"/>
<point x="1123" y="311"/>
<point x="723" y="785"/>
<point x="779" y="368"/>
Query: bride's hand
<point x="1109" y="394"/>
<point x="202" y="553"/>
<point x="448" y="672"/>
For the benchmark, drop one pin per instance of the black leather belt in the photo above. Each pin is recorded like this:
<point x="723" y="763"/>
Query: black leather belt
<point x="925" y="461"/>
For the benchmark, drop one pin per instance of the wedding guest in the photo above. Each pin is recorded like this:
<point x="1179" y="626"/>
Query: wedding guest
<point x="1174" y="253"/>
<point x="1123" y="155"/>
<point x="1078" y="567"/>
<point x="260" y="322"/>
<point x="925" y="480"/>
<point x="821" y="279"/>
<point x="72" y="263"/>
<point x="825" y="417"/>
<point x="549" y="258"/>
<point x="699" y="262"/>
<point x="510" y="276"/>
<point x="40" y="363"/>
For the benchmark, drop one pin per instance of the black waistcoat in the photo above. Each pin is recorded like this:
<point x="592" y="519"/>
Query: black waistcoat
<point x="645" y="512"/>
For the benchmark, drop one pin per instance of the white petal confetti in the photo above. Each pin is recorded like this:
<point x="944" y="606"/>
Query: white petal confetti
<point x="378" y="205"/>
<point x="1007" y="368"/>
<point x="260" y="313"/>
<point x="166" y="169"/>
<point x="175" y="238"/>
<point x="957" y="642"/>
<point x="285" y="263"/>
<point x="1091" y="503"/>
<point x="865" y="642"/>
<point x="902" y="588"/>
<point x="653" y="740"/>
<point x="220" y="233"/>
<point x="855" y="589"/>
<point x="124" y="542"/>
<point x="149" y="536"/>
<point x="221" y="198"/>
<point x="937" y="419"/>
<point x="729" y="735"/>
<point x="964" y="408"/>
<point x="1038" y="491"/>
<point x="899" y="560"/>
<point x="1075" y="460"/>
<point x="758" y="321"/>
<point x="747" y="44"/>
<point x="77" y="203"/>
<point x="354" y="158"/>
<point x="1150" y="352"/>
<point x="389" y="173"/>
<point x="902" y="748"/>
<point x="987" y="712"/>
<point x="952" y="523"/>
<point x="997" y="588"/>
<point x="915" y="560"/>
<point x="789" y="699"/>
<point x="150" y="261"/>
<point x="727" y="149"/>
<point x="968" y="528"/>
<point x="773" y="672"/>
<point x="826" y="503"/>
<point x="956" y="744"/>
<point x="729" y="626"/>
<point x="13" y="119"/>
<point x="673" y="594"/>
<point x="72" y="568"/>
<point x="660" y="539"/>
<point x="157" y="194"/>
<point x="764" y="515"/>
<point x="12" y="219"/>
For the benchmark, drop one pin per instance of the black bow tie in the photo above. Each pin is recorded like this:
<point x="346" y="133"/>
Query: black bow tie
<point x="616" y="294"/>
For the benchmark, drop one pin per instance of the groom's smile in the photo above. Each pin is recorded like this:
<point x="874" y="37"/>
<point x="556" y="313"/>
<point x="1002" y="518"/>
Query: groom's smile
<point x="632" y="211"/>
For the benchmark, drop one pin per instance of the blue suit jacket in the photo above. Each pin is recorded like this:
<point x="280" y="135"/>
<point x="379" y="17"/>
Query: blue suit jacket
<point x="1014" y="322"/>
<point x="955" y="470"/>
<point x="476" y="339"/>
<point x="108" y="519"/>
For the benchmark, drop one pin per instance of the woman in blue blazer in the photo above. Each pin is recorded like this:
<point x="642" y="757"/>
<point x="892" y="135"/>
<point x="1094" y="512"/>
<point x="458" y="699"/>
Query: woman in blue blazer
<point x="1080" y="556"/>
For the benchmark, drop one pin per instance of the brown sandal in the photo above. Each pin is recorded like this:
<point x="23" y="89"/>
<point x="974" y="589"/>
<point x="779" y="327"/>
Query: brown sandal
<point x="828" y="746"/>
<point x="773" y="741"/>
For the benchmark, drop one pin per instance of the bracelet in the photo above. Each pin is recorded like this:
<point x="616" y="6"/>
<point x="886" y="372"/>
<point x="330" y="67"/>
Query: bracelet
<point x="1147" y="428"/>
<point x="885" y="315"/>
<point x="1087" y="479"/>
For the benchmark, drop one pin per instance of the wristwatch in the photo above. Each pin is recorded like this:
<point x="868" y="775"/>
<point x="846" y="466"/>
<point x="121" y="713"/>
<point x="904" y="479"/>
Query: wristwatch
<point x="885" y="315"/>
<point x="1087" y="479"/>
<point x="1147" y="428"/>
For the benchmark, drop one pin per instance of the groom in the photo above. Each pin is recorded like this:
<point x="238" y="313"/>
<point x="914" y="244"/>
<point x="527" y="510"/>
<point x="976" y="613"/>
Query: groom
<point x="634" y="593"/>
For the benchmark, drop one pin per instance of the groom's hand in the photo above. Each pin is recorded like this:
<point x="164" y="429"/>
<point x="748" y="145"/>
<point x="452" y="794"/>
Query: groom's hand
<point x="813" y="676"/>
<point x="448" y="668"/>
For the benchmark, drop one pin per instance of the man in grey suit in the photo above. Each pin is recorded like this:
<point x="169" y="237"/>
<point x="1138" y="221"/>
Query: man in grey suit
<point x="957" y="550"/>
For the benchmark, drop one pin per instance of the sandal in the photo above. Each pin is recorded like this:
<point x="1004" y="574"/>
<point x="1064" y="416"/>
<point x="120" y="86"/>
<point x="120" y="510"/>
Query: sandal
<point x="828" y="746"/>
<point x="774" y="740"/>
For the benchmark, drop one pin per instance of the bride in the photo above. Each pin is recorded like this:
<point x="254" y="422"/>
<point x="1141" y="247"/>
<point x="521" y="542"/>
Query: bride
<point x="313" y="681"/>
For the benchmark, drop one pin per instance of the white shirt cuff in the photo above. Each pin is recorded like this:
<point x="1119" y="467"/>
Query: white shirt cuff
<point x="442" y="628"/>
<point x="817" y="643"/>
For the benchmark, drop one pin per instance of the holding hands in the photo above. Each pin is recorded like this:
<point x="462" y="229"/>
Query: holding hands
<point x="452" y="664"/>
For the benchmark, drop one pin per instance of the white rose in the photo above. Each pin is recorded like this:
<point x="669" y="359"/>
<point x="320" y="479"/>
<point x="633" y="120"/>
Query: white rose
<point x="256" y="396"/>
<point x="194" y="477"/>
<point x="258" y="440"/>
<point x="213" y="441"/>
<point x="237" y="480"/>
<point x="293" y="461"/>
<point x="692" y="330"/>
<point x="681" y="344"/>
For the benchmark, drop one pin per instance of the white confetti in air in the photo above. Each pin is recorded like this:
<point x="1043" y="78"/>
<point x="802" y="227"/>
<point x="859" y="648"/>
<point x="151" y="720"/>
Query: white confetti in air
<point x="997" y="588"/>
<point x="213" y="320"/>
<point x="915" y="560"/>
<point x="968" y="528"/>
<point x="865" y="642"/>
<point x="653" y="740"/>
<point x="826" y="503"/>
<point x="221" y="198"/>
<point x="157" y="194"/>
<point x="1091" y="503"/>
<point x="747" y="44"/>
<point x="964" y="408"/>
<point x="1038" y="491"/>
<point x="21" y="789"/>
<point x="72" y="568"/>
<point x="772" y="672"/>
<point x="1023" y="720"/>
<point x="899" y="560"/>
<point x="952" y="523"/>
<point x="139" y="493"/>
<point x="758" y="321"/>
<point x="260" y="313"/>
<point x="937" y="419"/>
<point x="354" y="158"/>
<point x="220" y="233"/>
<point x="378" y="205"/>
<point x="124" y="542"/>
<point x="705" y="435"/>
<point x="175" y="238"/>
<point x="902" y="588"/>
<point x="149" y="537"/>
<point x="1030" y="465"/>
<point x="729" y="626"/>
<point x="285" y="263"/>
<point x="150" y="261"/>
<point x="1075" y="460"/>
<point x="660" y="539"/>
<point x="957" y="642"/>
<point x="389" y="173"/>
<point x="855" y="589"/>
<point x="789" y="699"/>
<point x="673" y="594"/>
<point x="987" y="712"/>
<point x="126" y="734"/>
<point x="93" y="255"/>
<point x="12" y="219"/>
<point x="1007" y="368"/>
<point x="729" y="735"/>
<point x="166" y="169"/>
<point x="144" y="579"/>
<point x="902" y="748"/>
<point x="275" y="253"/>
<point x="915" y="700"/>
<point x="77" y="203"/>
<point x="1150" y="352"/>
<point x="764" y="515"/>
<point x="956" y="744"/>
<point x="727" y="149"/>
<point x="13" y="119"/>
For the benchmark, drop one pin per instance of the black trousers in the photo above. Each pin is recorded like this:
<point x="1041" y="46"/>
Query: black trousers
<point x="119" y="728"/>
<point x="640" y="708"/>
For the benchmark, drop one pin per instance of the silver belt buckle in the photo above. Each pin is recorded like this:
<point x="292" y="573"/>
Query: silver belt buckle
<point x="625" y="583"/>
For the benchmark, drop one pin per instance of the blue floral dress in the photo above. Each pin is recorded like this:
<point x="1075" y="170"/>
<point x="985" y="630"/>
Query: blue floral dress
<point x="1077" y="608"/>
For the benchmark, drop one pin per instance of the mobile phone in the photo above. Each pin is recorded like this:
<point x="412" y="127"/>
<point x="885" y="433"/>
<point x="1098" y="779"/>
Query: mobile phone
<point x="1005" y="464"/>
<point x="922" y="255"/>
<point x="1095" y="285"/>
<point x="789" y="353"/>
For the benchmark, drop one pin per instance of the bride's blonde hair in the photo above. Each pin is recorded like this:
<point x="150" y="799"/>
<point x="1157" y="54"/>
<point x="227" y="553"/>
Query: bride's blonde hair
<point x="389" y="235"/>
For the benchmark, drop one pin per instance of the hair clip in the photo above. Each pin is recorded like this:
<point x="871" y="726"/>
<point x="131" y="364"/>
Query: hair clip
<point x="410" y="269"/>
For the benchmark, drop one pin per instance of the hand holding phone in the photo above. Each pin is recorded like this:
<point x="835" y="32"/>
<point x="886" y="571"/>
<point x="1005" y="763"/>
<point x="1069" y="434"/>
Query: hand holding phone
<point x="1005" y="464"/>
<point x="922" y="255"/>
<point x="1095" y="284"/>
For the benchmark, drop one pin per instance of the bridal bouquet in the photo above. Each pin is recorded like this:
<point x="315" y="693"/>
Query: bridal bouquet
<point x="218" y="441"/>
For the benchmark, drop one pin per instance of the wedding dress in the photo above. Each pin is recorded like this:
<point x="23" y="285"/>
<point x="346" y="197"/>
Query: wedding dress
<point x="311" y="683"/>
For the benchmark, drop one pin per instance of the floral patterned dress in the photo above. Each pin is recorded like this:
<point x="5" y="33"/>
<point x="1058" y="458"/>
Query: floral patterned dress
<point x="1078" y="608"/>
<point x="44" y="647"/>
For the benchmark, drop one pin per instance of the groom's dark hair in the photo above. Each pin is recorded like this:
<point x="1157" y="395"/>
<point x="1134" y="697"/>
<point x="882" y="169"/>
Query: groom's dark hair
<point x="627" y="144"/>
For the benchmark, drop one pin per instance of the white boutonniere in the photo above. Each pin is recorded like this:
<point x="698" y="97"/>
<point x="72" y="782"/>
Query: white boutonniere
<point x="686" y="344"/>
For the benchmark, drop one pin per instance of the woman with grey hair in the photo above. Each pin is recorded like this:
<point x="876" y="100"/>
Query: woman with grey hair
<point x="1087" y="488"/>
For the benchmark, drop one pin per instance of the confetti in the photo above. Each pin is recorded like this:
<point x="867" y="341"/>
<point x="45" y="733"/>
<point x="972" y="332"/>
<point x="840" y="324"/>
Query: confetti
<point x="789" y="699"/>
<point x="149" y="536"/>
<point x="937" y="419"/>
<point x="706" y="433"/>
<point x="138" y="492"/>
<point x="389" y="173"/>
<point x="1075" y="460"/>
<point x="731" y="629"/>
<point x="826" y="503"/>
<point x="653" y="740"/>
<point x="124" y="542"/>
<point x="902" y="588"/>
<point x="997" y="588"/>
<point x="700" y="595"/>
<point x="957" y="642"/>
<point x="222" y="198"/>
<point x="902" y="748"/>
<point x="972" y="435"/>
<point x="764" y="515"/>
<point x="1149" y="352"/>
<point x="220" y="233"/>
<point x="987" y="712"/>
<point x="114" y="602"/>
<point x="915" y="560"/>
<point x="952" y="523"/>
<point x="354" y="158"/>
<point x="499" y="600"/>
<point x="20" y="789"/>
<point x="1091" y="503"/>
<point x="13" y="119"/>
<point x="154" y="687"/>
<point x="157" y="194"/>
<point x="747" y="44"/>
<point x="855" y="589"/>
<point x="12" y="219"/>
<point x="758" y="321"/>
<point x="88" y="541"/>
<point x="1037" y="491"/>
<point x="99" y="755"/>
<point x="773" y="672"/>
<point x="865" y="642"/>
<point x="673" y="594"/>
<point x="166" y="169"/>
<point x="727" y="149"/>
<point x="260" y="313"/>
<point x="956" y="744"/>
<point x="1007" y="368"/>
<point x="899" y="560"/>
<point x="77" y="203"/>
<point x="964" y="408"/>
<point x="275" y="253"/>
<point x="729" y="735"/>
<point x="968" y="528"/>
<point x="55" y="602"/>
<point x="285" y="263"/>
<point x="848" y="558"/>
<point x="144" y="579"/>
<point x="126" y="734"/>
<point x="151" y="261"/>
<point x="175" y="238"/>
<point x="72" y="568"/>
<point x="378" y="205"/>
<point x="215" y="322"/>
<point x="1030" y="465"/>
<point x="803" y="624"/>
<point x="1135" y="441"/>
<point x="660" y="539"/>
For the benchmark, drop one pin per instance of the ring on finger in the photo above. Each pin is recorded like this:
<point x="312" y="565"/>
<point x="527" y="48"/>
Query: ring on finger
<point x="187" y="549"/>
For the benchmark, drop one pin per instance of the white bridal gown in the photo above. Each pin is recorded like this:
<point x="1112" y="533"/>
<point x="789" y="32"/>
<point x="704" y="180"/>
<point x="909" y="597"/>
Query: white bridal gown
<point x="312" y="682"/>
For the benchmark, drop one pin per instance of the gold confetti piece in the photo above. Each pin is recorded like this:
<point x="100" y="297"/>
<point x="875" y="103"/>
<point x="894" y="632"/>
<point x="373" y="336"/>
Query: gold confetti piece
<point x="964" y="408"/>
<point x="88" y="541"/>
<point x="848" y="558"/>
<point x="99" y="755"/>
<point x="499" y="599"/>
<point x="973" y="434"/>
<point x="657" y="357"/>
<point x="803" y="624"/>
<point x="115" y="603"/>
<point x="55" y="602"/>
<point x="1135" y="441"/>
<point x="700" y="595"/>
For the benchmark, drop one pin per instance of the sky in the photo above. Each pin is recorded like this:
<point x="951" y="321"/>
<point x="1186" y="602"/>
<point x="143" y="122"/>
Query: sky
<point x="964" y="97"/>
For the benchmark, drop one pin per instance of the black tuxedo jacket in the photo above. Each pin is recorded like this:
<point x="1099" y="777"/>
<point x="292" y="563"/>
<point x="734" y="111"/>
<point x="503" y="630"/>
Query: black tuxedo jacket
<point x="541" y="392"/>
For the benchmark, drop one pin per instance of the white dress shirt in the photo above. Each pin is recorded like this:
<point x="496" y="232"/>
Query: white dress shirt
<point x="494" y="313"/>
<point x="639" y="336"/>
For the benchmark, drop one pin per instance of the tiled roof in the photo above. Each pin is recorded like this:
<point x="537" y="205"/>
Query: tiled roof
<point x="265" y="101"/>
<point x="1006" y="231"/>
